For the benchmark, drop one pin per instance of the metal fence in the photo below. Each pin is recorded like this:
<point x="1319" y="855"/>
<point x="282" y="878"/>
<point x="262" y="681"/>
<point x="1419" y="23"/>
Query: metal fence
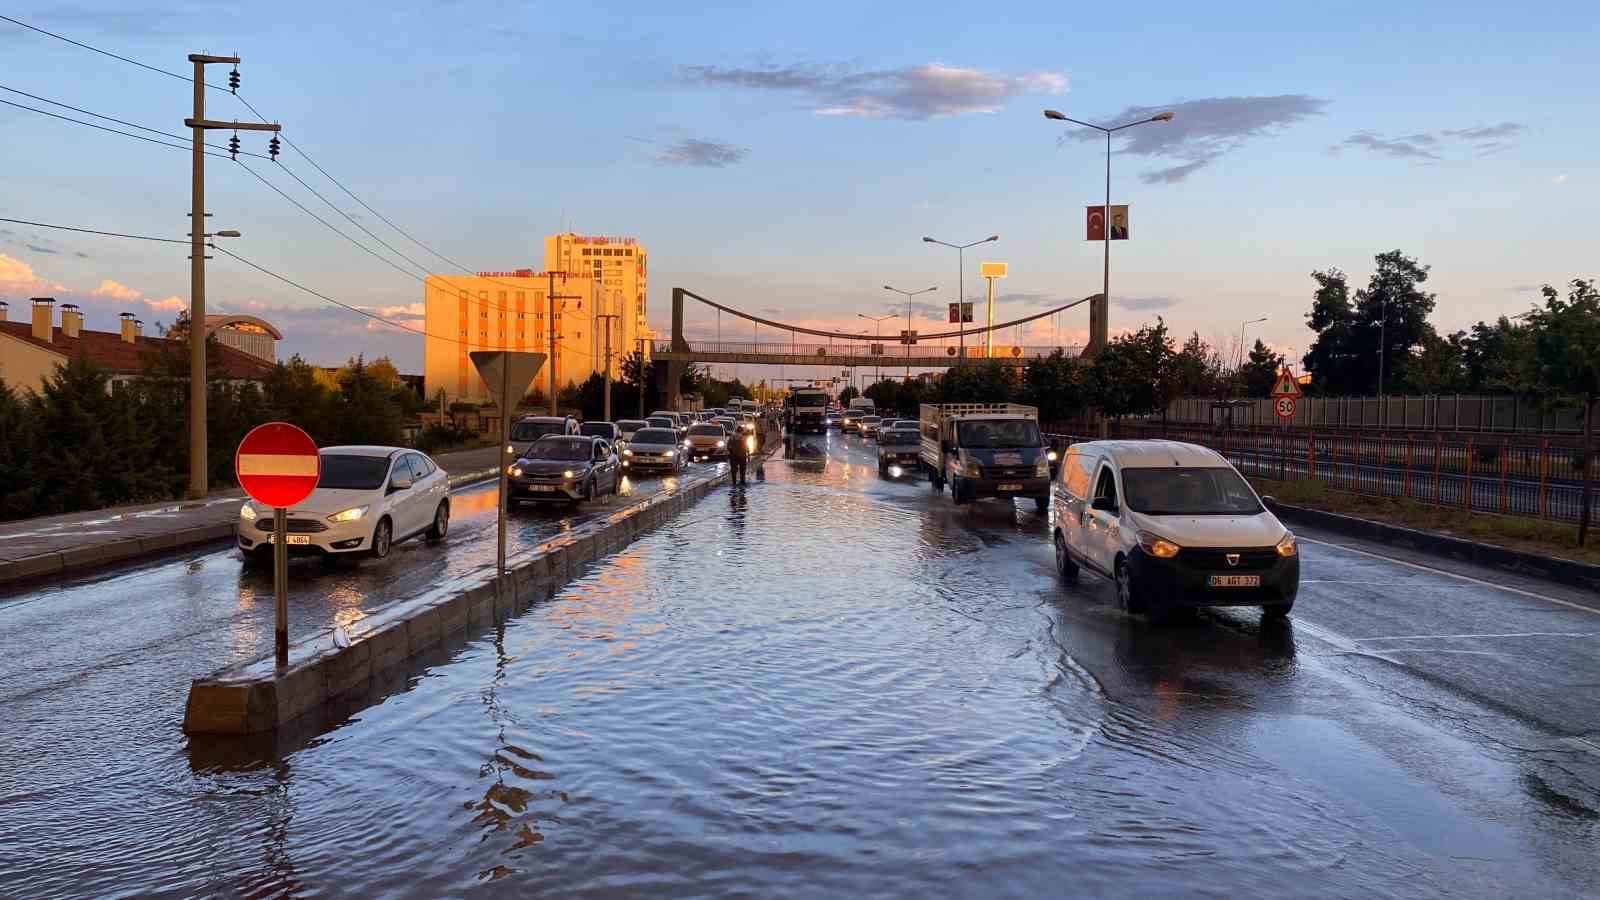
<point x="1501" y="414"/>
<point x="1503" y="474"/>
<point x="890" y="349"/>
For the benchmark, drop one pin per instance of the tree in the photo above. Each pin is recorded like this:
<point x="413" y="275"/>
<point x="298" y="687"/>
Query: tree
<point x="367" y="413"/>
<point x="848" y="394"/>
<point x="1130" y="375"/>
<point x="1500" y="358"/>
<point x="1437" y="367"/>
<point x="1057" y="385"/>
<point x="1567" y="347"/>
<point x="19" y="454"/>
<point x="1195" y="370"/>
<point x="1392" y="316"/>
<point x="1261" y="370"/>
<point x="982" y="381"/>
<point x="1331" y="358"/>
<point x="96" y="455"/>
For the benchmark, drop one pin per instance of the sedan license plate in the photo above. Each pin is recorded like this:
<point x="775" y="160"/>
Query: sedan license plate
<point x="291" y="539"/>
<point x="1227" y="581"/>
<point x="1009" y="486"/>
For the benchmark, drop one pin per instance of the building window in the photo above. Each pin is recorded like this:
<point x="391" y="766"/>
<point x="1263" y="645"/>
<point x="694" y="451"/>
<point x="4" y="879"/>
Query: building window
<point x="586" y="251"/>
<point x="501" y="296"/>
<point x="519" y="296"/>
<point x="483" y="295"/>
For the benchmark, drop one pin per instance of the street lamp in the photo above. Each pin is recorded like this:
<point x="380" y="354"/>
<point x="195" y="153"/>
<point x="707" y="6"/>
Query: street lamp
<point x="878" y="320"/>
<point x="1098" y="330"/>
<point x="908" y="296"/>
<point x="961" y="289"/>
<point x="1242" y="327"/>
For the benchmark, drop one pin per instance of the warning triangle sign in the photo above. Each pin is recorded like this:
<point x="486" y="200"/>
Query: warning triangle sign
<point x="1285" y="386"/>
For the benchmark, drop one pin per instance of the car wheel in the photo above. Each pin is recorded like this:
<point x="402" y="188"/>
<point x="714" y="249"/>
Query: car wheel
<point x="883" y="471"/>
<point x="958" y="492"/>
<point x="441" y="523"/>
<point x="1042" y="503"/>
<point x="1276" y="611"/>
<point x="1129" y="597"/>
<point x="382" y="539"/>
<point x="1065" y="567"/>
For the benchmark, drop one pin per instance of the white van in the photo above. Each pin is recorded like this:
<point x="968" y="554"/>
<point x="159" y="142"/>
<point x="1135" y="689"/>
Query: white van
<point x="1174" y="525"/>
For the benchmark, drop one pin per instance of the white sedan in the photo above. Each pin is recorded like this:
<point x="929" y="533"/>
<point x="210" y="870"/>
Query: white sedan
<point x="367" y="500"/>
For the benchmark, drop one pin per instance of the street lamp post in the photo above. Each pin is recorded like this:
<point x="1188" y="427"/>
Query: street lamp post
<point x="877" y="320"/>
<point x="1099" y="330"/>
<point x="908" y="296"/>
<point x="961" y="288"/>
<point x="1242" y="327"/>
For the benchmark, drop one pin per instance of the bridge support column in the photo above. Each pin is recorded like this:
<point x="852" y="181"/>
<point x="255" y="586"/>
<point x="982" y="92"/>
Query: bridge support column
<point x="1099" y="324"/>
<point x="672" y="391"/>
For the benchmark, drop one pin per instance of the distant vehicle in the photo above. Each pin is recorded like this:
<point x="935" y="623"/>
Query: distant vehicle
<point x="662" y="422"/>
<point x="567" y="468"/>
<point x="833" y="419"/>
<point x="806" y="411"/>
<point x="629" y="426"/>
<point x="654" y="450"/>
<point x="850" y="423"/>
<point x="868" y="425"/>
<point x="680" y="421"/>
<point x="1174" y="525"/>
<point x="367" y="500"/>
<point x="899" y="450"/>
<point x="729" y="424"/>
<point x="863" y="406"/>
<point x="530" y="428"/>
<point x="707" y="440"/>
<point x="607" y="431"/>
<point x="985" y="450"/>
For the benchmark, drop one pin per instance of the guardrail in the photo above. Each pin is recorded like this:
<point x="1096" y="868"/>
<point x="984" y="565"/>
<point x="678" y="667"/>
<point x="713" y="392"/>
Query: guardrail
<point x="1446" y="412"/>
<point x="891" y="349"/>
<point x="1493" y="474"/>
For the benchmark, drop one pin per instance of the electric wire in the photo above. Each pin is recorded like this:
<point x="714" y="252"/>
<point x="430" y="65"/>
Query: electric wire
<point x="176" y="137"/>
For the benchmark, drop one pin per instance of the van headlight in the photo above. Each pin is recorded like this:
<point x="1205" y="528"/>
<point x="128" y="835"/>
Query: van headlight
<point x="1052" y="456"/>
<point x="1157" y="546"/>
<point x="973" y="470"/>
<point x="721" y="444"/>
<point x="1286" y="545"/>
<point x="516" y="471"/>
<point x="247" y="513"/>
<point x="568" y="473"/>
<point x="627" y="453"/>
<point x="350" y="515"/>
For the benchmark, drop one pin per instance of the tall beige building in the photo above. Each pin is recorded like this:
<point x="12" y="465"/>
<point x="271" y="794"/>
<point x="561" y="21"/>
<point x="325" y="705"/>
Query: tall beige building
<point x="512" y="311"/>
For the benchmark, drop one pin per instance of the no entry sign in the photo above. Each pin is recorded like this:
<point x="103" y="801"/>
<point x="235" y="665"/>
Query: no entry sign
<point x="277" y="464"/>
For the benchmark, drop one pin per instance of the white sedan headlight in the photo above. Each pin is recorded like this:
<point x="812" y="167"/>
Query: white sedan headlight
<point x="352" y="514"/>
<point x="247" y="513"/>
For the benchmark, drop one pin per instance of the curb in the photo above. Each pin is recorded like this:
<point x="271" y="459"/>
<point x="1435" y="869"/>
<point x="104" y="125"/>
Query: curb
<point x="1561" y="571"/>
<point x="256" y="697"/>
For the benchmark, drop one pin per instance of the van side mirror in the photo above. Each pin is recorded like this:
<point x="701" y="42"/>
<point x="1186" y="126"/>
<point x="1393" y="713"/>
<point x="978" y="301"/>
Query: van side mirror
<point x="1104" y="504"/>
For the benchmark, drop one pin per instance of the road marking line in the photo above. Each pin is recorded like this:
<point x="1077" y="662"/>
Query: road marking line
<point x="1432" y="637"/>
<point x="1457" y="575"/>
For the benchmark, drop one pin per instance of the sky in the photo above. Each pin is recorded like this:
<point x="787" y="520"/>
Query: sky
<point x="787" y="159"/>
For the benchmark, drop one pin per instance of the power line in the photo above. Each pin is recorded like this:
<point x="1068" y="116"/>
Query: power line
<point x="137" y="237"/>
<point x="137" y="137"/>
<point x="101" y="52"/>
<point x="176" y="137"/>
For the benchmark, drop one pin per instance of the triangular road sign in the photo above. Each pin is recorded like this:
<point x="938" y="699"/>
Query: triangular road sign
<point x="493" y="366"/>
<point x="1286" y="386"/>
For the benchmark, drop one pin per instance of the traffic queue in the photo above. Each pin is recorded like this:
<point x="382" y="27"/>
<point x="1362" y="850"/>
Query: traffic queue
<point x="1172" y="525"/>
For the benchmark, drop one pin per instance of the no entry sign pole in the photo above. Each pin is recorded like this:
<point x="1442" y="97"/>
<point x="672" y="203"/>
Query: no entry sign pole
<point x="278" y="466"/>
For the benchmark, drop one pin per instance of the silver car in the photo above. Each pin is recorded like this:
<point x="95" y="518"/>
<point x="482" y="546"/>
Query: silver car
<point x="654" y="450"/>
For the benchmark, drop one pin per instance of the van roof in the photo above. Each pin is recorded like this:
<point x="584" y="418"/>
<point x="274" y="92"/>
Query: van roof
<point x="1152" y="453"/>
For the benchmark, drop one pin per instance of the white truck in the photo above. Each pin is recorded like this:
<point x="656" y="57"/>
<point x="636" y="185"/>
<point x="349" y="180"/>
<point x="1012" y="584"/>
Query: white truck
<point x="985" y="450"/>
<point x="863" y="406"/>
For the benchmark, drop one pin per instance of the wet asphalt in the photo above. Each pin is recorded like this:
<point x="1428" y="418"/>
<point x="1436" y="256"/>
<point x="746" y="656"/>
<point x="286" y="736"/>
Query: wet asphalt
<point x="823" y="685"/>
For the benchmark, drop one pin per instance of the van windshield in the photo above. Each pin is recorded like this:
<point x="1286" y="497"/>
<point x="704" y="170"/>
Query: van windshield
<point x="1188" y="492"/>
<point x="532" y="431"/>
<point x="999" y="434"/>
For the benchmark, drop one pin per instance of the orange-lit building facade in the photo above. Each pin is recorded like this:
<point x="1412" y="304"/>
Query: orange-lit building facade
<point x="511" y="311"/>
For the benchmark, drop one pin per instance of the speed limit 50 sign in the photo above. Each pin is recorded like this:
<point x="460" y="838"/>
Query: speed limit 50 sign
<point x="1284" y="407"/>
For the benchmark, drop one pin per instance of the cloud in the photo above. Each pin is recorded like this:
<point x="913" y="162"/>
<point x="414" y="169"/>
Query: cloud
<point x="697" y="152"/>
<point x="929" y="91"/>
<point x="80" y="254"/>
<point x="115" y="291"/>
<point x="405" y="311"/>
<point x="18" y="277"/>
<point x="38" y="249"/>
<point x="1486" y="140"/>
<point x="1559" y="179"/>
<point x="1202" y="131"/>
<point x="171" y="304"/>
<point x="1398" y="148"/>
<point x="1145" y="304"/>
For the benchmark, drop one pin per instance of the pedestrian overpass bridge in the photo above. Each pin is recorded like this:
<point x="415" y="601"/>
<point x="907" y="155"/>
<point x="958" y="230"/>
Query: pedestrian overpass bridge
<point x="794" y="345"/>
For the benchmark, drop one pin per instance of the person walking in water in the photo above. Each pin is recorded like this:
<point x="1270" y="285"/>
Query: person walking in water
<point x="739" y="448"/>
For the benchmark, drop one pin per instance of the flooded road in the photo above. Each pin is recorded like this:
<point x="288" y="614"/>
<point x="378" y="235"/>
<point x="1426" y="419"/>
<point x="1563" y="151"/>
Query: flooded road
<point x="827" y="685"/>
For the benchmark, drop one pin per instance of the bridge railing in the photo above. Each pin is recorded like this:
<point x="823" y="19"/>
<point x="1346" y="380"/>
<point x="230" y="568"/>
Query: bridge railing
<point x="889" y="349"/>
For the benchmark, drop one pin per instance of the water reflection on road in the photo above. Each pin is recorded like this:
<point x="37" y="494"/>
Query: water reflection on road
<point x="822" y="685"/>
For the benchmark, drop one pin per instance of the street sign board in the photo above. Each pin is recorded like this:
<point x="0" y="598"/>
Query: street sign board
<point x="277" y="465"/>
<point x="877" y="349"/>
<point x="961" y="312"/>
<point x="992" y="269"/>
<point x="1286" y="385"/>
<point x="1284" y="406"/>
<point x="502" y="368"/>
<point x="908" y="337"/>
<point x="1096" y="222"/>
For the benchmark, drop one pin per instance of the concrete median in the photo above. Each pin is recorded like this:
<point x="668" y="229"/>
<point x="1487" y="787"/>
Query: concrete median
<point x="257" y="697"/>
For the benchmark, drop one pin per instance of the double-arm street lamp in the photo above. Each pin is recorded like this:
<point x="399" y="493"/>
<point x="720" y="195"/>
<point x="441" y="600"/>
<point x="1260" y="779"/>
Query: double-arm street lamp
<point x="961" y="288"/>
<point x="1098" y="326"/>
<point x="878" y="320"/>
<point x="908" y="295"/>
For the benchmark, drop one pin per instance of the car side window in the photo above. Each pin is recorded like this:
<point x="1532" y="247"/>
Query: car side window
<point x="426" y="465"/>
<point x="416" y="468"/>
<point x="1107" y="486"/>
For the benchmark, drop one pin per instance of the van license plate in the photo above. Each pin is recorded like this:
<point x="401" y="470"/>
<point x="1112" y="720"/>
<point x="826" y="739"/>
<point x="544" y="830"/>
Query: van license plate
<point x="1226" y="581"/>
<point x="291" y="539"/>
<point x="1009" y="486"/>
<point x="542" y="488"/>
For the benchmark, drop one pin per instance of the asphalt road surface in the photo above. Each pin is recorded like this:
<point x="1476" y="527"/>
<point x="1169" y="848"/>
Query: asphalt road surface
<point x="828" y="684"/>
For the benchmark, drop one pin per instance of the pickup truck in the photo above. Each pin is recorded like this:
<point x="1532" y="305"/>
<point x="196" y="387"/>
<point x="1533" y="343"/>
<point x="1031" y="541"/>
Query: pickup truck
<point x="985" y="450"/>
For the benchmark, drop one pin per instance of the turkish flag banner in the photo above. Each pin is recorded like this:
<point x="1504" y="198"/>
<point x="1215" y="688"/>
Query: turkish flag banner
<point x="1096" y="221"/>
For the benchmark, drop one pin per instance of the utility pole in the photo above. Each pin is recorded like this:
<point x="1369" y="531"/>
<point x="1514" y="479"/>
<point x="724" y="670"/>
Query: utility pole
<point x="199" y="474"/>
<point x="642" y="376"/>
<point x="608" y="317"/>
<point x="550" y="305"/>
